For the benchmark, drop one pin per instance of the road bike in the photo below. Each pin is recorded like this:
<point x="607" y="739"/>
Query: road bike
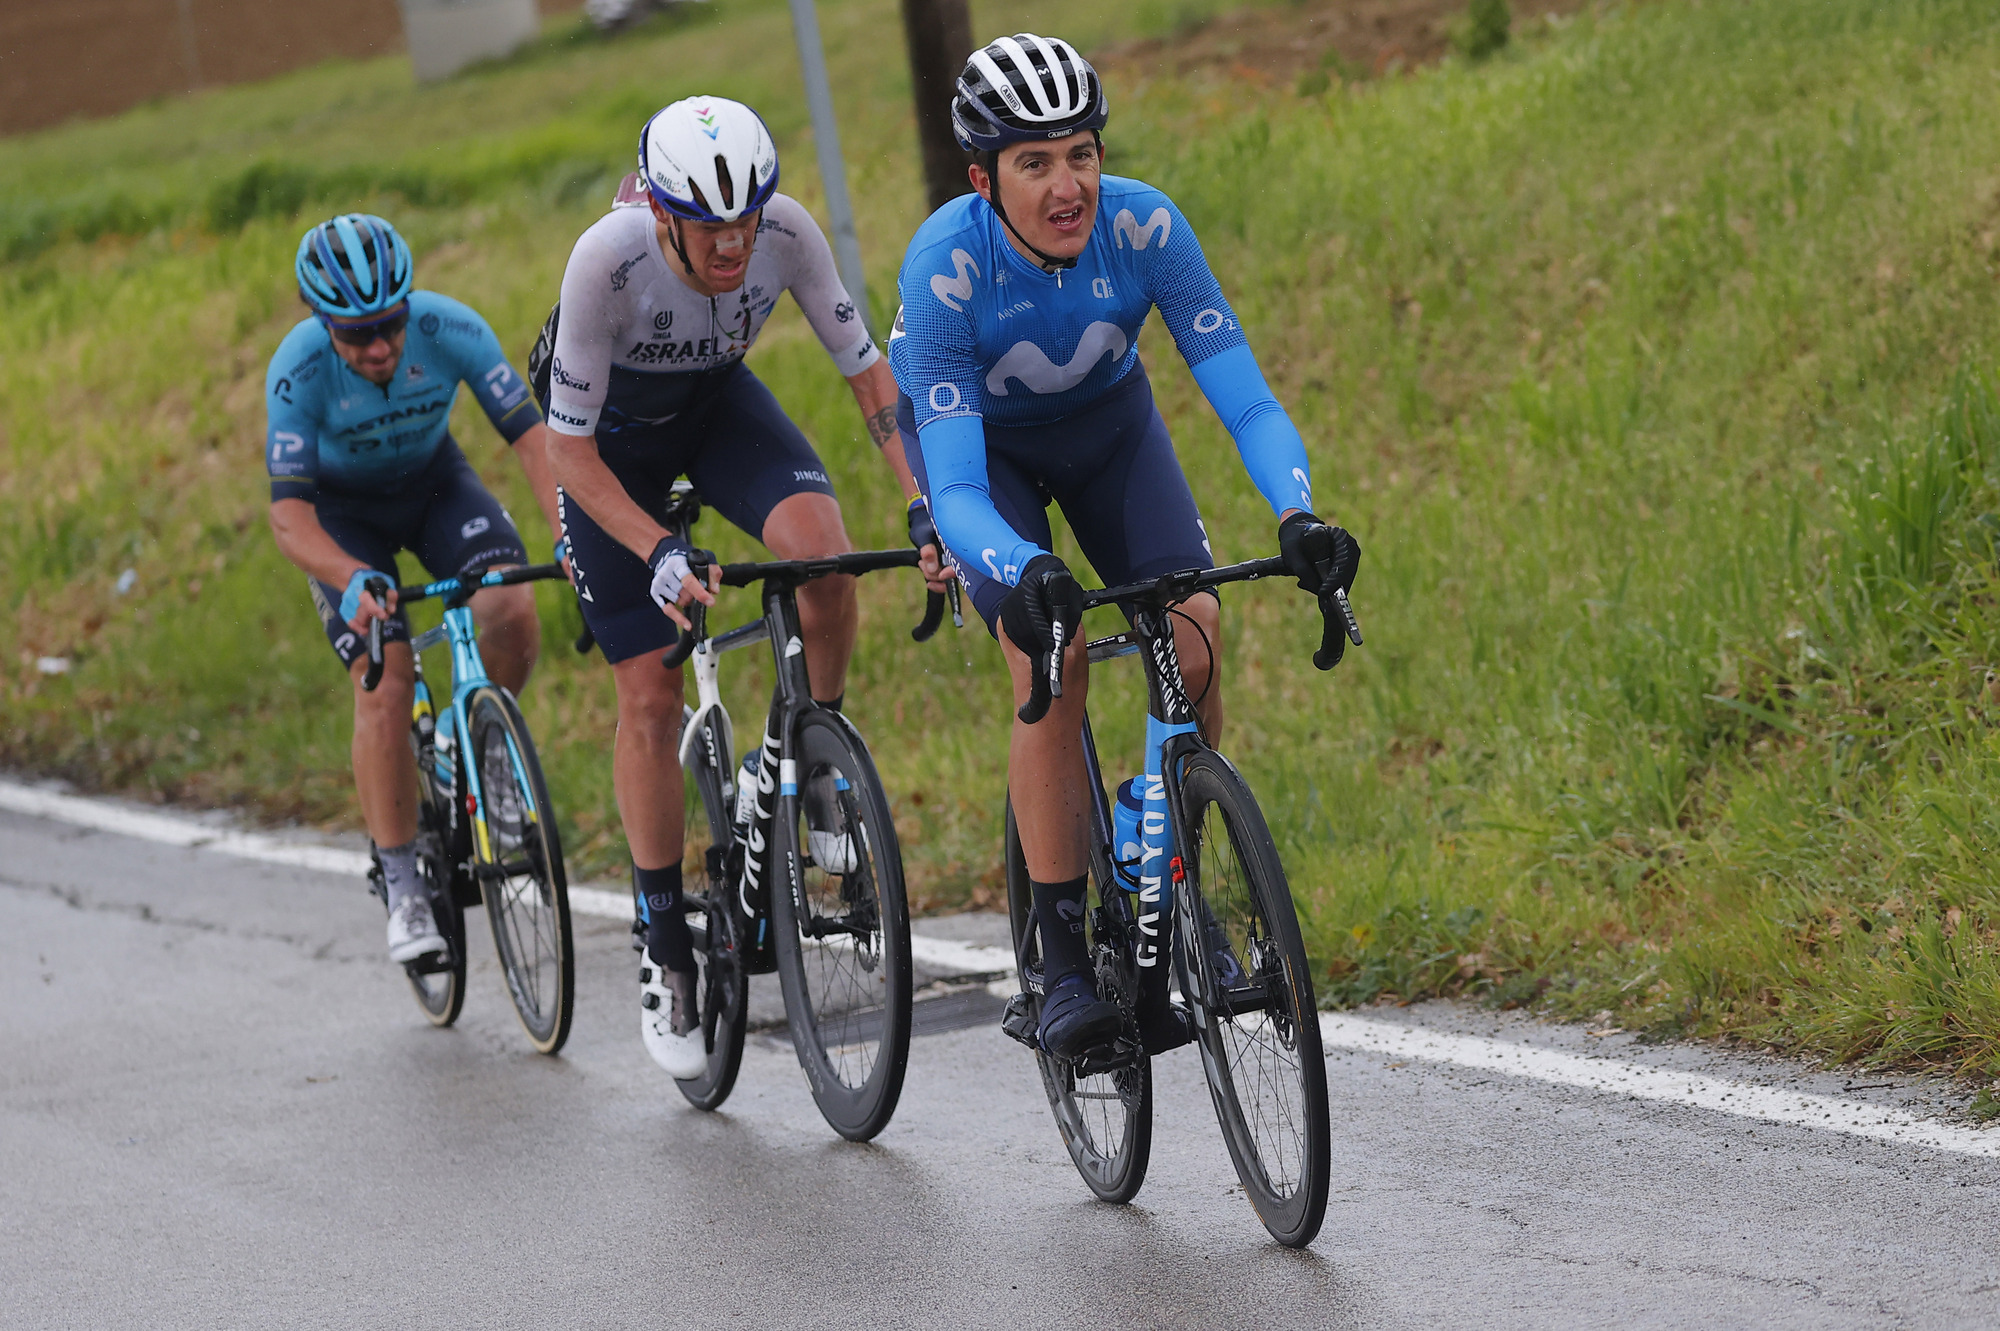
<point x="1207" y="870"/>
<point x="801" y="873"/>
<point x="486" y="830"/>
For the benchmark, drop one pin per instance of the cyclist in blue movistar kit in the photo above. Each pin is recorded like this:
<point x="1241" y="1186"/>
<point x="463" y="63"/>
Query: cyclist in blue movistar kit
<point x="1017" y="354"/>
<point x="358" y="399"/>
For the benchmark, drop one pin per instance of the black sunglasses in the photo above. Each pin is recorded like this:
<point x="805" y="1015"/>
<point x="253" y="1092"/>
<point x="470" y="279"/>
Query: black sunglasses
<point x="362" y="335"/>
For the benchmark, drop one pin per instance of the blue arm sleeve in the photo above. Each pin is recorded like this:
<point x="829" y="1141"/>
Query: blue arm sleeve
<point x="1269" y="443"/>
<point x="962" y="504"/>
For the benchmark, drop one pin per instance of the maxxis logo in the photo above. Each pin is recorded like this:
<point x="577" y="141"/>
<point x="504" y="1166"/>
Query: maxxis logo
<point x="951" y="290"/>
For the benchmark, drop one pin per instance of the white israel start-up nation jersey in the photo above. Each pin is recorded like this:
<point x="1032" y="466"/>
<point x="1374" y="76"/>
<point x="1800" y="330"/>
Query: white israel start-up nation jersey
<point x="635" y="342"/>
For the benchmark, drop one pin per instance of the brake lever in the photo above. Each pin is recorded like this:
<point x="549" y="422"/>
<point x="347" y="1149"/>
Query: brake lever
<point x="379" y="589"/>
<point x="1347" y="614"/>
<point x="957" y="606"/>
<point x="1333" y="631"/>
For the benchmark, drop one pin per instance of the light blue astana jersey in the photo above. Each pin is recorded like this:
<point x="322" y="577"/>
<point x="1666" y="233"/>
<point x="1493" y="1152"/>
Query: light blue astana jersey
<point x="330" y="427"/>
<point x="986" y="335"/>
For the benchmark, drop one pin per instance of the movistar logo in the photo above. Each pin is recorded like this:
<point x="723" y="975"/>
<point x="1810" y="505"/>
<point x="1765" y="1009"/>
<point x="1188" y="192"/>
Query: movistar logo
<point x="1031" y="365"/>
<point x="1126" y="227"/>
<point x="960" y="284"/>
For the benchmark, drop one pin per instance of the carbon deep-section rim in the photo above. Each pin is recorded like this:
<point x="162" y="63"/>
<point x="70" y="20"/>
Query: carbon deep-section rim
<point x="843" y="929"/>
<point x="1260" y="1035"/>
<point x="1106" y="1120"/>
<point x="723" y="989"/>
<point x="518" y="856"/>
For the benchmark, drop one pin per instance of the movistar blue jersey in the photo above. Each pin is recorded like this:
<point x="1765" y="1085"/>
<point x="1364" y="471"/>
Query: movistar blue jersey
<point x="328" y="426"/>
<point x="986" y="335"/>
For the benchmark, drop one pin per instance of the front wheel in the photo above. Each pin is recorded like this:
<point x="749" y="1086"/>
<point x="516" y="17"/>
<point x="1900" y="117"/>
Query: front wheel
<point x="1244" y="964"/>
<point x="518" y="857"/>
<point x="723" y="988"/>
<point x="842" y="927"/>
<point x="1106" y="1118"/>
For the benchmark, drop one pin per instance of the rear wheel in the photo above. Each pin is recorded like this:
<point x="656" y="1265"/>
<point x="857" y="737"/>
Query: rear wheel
<point x="723" y="988"/>
<point x="518" y="857"/>
<point x="1106" y="1118"/>
<point x="1260" y="1041"/>
<point x="842" y="928"/>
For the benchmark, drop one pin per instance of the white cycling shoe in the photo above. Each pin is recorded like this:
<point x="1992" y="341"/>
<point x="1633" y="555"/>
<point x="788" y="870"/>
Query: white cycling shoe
<point x="667" y="1020"/>
<point x="412" y="930"/>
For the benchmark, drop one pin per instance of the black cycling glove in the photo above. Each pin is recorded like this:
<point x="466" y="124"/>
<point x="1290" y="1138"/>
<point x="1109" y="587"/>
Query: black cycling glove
<point x="1322" y="558"/>
<point x="923" y="531"/>
<point x="1042" y="615"/>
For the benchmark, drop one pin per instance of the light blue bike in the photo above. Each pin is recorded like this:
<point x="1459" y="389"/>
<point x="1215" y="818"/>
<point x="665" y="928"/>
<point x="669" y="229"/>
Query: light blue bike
<point x="486" y="829"/>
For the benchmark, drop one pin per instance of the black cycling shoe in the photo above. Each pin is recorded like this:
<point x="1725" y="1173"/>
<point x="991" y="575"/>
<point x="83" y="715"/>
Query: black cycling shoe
<point x="1075" y="1019"/>
<point x="1168" y="1027"/>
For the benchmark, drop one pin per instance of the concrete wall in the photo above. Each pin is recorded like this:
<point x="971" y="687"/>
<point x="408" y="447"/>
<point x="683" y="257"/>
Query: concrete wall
<point x="65" y="58"/>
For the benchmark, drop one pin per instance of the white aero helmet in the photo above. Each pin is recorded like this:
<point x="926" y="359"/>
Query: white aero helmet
<point x="708" y="159"/>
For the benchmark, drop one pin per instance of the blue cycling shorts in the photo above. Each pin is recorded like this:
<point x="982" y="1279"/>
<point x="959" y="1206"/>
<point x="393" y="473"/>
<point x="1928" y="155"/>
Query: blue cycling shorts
<point x="1112" y="470"/>
<point x="446" y="516"/>
<point x="744" y="456"/>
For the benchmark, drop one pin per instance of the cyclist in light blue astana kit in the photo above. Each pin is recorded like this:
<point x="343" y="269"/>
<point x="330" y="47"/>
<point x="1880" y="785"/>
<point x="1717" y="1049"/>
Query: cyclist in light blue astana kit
<point x="358" y="400"/>
<point x="1017" y="353"/>
<point x="641" y="370"/>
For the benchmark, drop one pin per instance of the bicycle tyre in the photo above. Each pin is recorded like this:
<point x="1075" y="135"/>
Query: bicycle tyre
<point x="1110" y="1148"/>
<point x="440" y="991"/>
<point x="848" y="1002"/>
<point x="723" y="987"/>
<point x="517" y="853"/>
<point x="1265" y="1067"/>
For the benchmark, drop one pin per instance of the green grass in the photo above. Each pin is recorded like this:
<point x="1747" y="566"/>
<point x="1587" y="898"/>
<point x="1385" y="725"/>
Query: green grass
<point x="1649" y="358"/>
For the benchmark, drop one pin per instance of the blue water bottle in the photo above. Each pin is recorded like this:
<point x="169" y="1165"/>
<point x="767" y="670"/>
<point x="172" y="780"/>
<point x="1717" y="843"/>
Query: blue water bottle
<point x="1125" y="832"/>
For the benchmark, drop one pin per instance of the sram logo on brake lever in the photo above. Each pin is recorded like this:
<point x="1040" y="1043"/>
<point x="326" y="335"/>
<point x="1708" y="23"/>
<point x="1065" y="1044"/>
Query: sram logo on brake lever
<point x="1056" y="631"/>
<point x="1347" y="614"/>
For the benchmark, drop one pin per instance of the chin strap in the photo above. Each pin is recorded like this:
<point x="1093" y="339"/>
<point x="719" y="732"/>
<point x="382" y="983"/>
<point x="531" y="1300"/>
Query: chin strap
<point x="674" y="239"/>
<point x="1050" y="263"/>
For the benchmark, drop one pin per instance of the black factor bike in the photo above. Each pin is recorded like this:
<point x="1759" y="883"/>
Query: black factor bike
<point x="800" y="869"/>
<point x="1207" y="897"/>
<point x="486" y="830"/>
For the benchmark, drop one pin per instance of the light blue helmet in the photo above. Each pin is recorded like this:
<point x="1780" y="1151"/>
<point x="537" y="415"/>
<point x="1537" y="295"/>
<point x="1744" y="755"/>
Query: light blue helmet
<point x="354" y="266"/>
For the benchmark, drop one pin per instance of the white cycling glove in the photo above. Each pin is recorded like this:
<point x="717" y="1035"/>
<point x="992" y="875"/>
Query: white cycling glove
<point x="671" y="567"/>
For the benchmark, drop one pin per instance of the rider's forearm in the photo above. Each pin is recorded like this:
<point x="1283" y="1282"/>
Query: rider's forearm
<point x="875" y="393"/>
<point x="589" y="484"/>
<point x="1272" y="451"/>
<point x="295" y="525"/>
<point x="533" y="450"/>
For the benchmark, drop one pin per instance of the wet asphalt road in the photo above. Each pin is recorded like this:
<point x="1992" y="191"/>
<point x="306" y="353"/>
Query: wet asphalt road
<point x="220" y="1107"/>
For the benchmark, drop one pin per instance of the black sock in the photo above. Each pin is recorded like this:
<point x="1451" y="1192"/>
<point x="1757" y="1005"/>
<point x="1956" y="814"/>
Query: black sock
<point x="667" y="938"/>
<point x="835" y="702"/>
<point x="1060" y="906"/>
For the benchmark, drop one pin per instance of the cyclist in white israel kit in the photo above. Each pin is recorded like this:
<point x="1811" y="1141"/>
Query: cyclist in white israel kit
<point x="641" y="370"/>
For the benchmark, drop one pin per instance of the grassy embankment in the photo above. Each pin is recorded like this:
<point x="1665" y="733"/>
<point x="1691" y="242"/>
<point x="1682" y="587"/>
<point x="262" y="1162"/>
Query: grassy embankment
<point x="1649" y="361"/>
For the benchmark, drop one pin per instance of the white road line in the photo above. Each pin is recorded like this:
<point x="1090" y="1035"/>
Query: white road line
<point x="1613" y="1077"/>
<point x="170" y="830"/>
<point x="1600" y="1076"/>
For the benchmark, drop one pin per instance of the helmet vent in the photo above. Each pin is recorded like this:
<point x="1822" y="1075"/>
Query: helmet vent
<point x="723" y="181"/>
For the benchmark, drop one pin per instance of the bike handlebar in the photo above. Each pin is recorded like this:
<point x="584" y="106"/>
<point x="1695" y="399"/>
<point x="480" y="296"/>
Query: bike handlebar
<point x="450" y="587"/>
<point x="792" y="572"/>
<point x="1336" y="617"/>
<point x="934" y="604"/>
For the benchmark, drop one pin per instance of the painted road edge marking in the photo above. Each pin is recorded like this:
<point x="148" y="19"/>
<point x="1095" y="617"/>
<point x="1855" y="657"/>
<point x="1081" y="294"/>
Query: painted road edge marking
<point x="1614" y="1077"/>
<point x="1595" y="1074"/>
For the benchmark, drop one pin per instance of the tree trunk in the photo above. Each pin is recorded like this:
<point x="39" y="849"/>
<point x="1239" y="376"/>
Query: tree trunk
<point x="939" y="35"/>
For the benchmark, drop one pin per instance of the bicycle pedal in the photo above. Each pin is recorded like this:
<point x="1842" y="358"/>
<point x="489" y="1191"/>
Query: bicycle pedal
<point x="1097" y="1060"/>
<point x="1170" y="1030"/>
<point x="1018" y="1021"/>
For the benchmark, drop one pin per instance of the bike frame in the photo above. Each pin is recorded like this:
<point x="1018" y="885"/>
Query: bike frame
<point x="779" y="625"/>
<point x="468" y="675"/>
